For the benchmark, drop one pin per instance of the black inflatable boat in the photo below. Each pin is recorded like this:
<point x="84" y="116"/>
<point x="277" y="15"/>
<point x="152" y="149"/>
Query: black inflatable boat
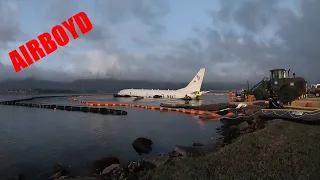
<point x="290" y="114"/>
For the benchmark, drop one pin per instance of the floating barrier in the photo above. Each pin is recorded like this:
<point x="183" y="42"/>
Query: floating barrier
<point x="185" y="106"/>
<point x="302" y="116"/>
<point x="104" y="111"/>
<point x="200" y="113"/>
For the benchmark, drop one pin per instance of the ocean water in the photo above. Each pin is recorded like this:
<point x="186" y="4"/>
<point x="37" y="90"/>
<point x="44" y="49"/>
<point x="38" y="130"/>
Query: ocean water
<point x="32" y="140"/>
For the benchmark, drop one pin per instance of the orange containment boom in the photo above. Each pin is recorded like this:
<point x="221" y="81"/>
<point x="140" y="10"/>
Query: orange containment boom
<point x="200" y="113"/>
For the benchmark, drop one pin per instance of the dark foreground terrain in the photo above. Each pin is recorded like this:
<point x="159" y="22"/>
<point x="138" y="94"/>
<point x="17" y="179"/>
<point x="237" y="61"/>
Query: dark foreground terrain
<point x="282" y="150"/>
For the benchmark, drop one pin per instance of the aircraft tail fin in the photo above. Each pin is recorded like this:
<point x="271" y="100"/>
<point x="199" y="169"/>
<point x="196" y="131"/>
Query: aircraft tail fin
<point x="196" y="83"/>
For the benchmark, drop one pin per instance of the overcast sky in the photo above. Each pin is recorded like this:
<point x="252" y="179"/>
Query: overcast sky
<point x="234" y="40"/>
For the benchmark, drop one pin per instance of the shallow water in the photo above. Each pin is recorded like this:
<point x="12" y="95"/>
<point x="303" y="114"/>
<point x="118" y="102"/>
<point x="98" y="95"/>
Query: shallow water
<point x="32" y="140"/>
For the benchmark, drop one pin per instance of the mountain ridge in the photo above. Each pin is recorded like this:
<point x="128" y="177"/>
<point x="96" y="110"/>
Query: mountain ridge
<point x="108" y="85"/>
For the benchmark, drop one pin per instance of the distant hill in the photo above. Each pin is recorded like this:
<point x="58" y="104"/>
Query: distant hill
<point x="107" y="85"/>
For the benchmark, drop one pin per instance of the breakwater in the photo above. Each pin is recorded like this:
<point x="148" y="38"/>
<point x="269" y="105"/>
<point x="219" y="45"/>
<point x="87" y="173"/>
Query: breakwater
<point x="21" y="102"/>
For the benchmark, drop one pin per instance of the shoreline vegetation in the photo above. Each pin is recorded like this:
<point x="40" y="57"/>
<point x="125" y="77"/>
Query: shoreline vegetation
<point x="250" y="148"/>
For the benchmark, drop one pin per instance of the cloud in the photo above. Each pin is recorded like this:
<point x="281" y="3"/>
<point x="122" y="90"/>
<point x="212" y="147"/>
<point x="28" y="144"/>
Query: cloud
<point x="8" y="22"/>
<point x="130" y="40"/>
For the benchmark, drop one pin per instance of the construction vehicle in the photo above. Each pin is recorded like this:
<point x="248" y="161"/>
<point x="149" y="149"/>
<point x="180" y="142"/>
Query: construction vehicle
<point x="315" y="90"/>
<point x="279" y="85"/>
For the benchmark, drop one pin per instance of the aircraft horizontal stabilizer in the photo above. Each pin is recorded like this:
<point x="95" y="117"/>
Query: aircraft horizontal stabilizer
<point x="204" y="92"/>
<point x="201" y="92"/>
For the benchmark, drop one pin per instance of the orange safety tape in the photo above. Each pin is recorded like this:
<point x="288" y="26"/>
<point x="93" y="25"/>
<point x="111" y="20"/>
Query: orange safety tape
<point x="214" y="115"/>
<point x="230" y="114"/>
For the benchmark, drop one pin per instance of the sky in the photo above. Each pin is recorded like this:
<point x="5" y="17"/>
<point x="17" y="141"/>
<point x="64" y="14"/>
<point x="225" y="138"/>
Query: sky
<point x="167" y="40"/>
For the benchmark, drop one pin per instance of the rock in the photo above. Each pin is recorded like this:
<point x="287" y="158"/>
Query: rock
<point x="197" y="144"/>
<point x="230" y="133"/>
<point x="59" y="168"/>
<point x="147" y="165"/>
<point x="142" y="145"/>
<point x="213" y="147"/>
<point x="133" y="176"/>
<point x="159" y="160"/>
<point x="99" y="165"/>
<point x="19" y="177"/>
<point x="135" y="167"/>
<point x="219" y="142"/>
<point x="63" y="177"/>
<point x="132" y="167"/>
<point x="84" y="178"/>
<point x="233" y="128"/>
<point x="187" y="151"/>
<point x="98" y="176"/>
<point x="173" y="154"/>
<point x="243" y="126"/>
<point x="146" y="177"/>
<point x="176" y="159"/>
<point x="56" y="175"/>
<point x="125" y="171"/>
<point x="109" y="169"/>
<point x="254" y="121"/>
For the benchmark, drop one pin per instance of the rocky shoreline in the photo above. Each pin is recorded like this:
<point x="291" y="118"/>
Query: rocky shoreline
<point x="110" y="168"/>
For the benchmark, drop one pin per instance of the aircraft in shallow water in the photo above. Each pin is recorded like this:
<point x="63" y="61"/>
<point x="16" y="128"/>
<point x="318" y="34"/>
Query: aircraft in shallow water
<point x="191" y="91"/>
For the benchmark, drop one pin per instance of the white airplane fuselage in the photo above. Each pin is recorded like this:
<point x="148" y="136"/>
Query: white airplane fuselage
<point x="149" y="93"/>
<point x="192" y="90"/>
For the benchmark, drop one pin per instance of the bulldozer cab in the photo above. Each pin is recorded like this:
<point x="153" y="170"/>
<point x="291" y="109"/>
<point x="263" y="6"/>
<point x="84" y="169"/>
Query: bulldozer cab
<point x="276" y="74"/>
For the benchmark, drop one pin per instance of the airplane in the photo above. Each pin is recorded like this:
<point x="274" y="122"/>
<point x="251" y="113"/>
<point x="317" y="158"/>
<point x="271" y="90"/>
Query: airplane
<point x="191" y="91"/>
